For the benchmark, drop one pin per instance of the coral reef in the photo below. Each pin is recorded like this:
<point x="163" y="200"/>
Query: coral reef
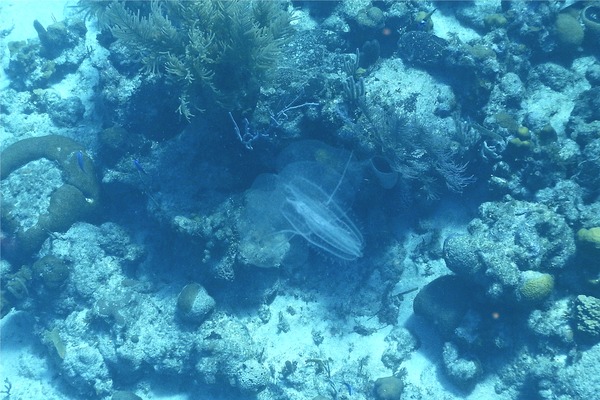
<point x="213" y="50"/>
<point x="497" y="255"/>
<point x="424" y="176"/>
<point x="587" y="318"/>
<point x="62" y="49"/>
<point x="589" y="237"/>
<point x="75" y="199"/>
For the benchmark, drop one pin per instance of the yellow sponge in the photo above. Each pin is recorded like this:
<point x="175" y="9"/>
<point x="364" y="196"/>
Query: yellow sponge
<point x="590" y="236"/>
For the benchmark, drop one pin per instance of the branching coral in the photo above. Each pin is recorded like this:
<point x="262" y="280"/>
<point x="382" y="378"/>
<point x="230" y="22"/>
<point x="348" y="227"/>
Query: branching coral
<point x="215" y="50"/>
<point x="420" y="156"/>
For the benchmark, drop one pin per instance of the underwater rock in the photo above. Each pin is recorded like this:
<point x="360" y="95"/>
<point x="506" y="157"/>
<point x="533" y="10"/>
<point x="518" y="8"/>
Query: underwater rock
<point x="96" y="256"/>
<point x="84" y="369"/>
<point x="553" y="322"/>
<point x="444" y="302"/>
<point x="464" y="372"/>
<point x="587" y="319"/>
<point x="252" y="377"/>
<point x="566" y="198"/>
<point x="226" y="346"/>
<point x="304" y="199"/>
<point x="555" y="76"/>
<point x="579" y="380"/>
<point x="584" y="121"/>
<point x="400" y="344"/>
<point x="64" y="112"/>
<point x="389" y="388"/>
<point x="194" y="303"/>
<point x="116" y="142"/>
<point x="588" y="171"/>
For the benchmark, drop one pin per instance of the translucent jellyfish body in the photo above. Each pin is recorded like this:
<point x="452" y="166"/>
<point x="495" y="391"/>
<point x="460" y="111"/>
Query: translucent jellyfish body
<point x="305" y="199"/>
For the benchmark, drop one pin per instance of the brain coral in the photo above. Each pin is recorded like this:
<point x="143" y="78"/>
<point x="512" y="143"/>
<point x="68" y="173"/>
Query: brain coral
<point x="536" y="286"/>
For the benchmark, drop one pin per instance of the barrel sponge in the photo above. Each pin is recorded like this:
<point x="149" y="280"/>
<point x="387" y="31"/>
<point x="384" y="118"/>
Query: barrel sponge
<point x="77" y="199"/>
<point x="535" y="286"/>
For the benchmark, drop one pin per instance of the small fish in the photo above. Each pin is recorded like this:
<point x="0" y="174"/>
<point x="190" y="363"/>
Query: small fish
<point x="79" y="156"/>
<point x="423" y="21"/>
<point x="139" y="167"/>
<point x="141" y="171"/>
<point x="349" y="387"/>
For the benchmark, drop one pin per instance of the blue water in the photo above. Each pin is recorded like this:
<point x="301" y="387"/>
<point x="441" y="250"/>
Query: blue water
<point x="300" y="200"/>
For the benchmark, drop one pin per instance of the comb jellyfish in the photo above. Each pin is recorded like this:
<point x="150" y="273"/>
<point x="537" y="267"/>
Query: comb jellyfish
<point x="304" y="199"/>
<point x="314" y="215"/>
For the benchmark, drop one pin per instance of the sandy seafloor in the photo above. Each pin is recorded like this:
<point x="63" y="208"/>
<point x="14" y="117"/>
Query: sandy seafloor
<point x="26" y="363"/>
